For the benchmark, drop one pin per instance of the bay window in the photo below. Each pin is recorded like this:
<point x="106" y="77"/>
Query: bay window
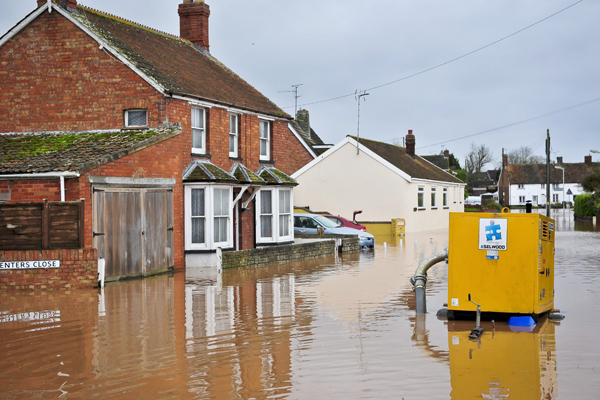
<point x="208" y="217"/>
<point x="274" y="217"/>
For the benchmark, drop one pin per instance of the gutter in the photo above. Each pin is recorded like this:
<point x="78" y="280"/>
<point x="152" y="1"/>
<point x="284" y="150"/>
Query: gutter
<point x="44" y="175"/>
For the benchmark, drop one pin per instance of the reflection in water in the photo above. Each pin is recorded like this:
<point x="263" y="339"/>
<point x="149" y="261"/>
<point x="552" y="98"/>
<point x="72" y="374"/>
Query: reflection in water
<point x="340" y="328"/>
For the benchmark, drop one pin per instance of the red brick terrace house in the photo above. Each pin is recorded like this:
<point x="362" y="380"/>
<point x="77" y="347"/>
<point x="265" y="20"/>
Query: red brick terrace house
<point x="174" y="153"/>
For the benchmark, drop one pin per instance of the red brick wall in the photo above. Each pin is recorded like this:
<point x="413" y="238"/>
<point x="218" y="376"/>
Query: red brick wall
<point x="78" y="269"/>
<point x="57" y="88"/>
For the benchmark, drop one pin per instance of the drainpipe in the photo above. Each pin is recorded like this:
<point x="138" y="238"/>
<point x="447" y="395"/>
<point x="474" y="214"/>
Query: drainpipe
<point x="44" y="175"/>
<point x="419" y="280"/>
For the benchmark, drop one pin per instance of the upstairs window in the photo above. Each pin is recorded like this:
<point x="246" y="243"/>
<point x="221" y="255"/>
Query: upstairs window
<point x="543" y="186"/>
<point x="233" y="135"/>
<point x="433" y="199"/>
<point x="445" y="198"/>
<point x="521" y="186"/>
<point x="420" y="195"/>
<point x="136" y="118"/>
<point x="265" y="140"/>
<point x="198" y="130"/>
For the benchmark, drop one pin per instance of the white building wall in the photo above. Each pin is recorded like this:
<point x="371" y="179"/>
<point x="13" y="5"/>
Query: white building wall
<point x="536" y="193"/>
<point x="345" y="181"/>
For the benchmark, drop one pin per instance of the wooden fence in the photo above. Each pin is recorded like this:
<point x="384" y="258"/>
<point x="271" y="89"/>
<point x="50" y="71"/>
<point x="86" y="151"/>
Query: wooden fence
<point x="47" y="225"/>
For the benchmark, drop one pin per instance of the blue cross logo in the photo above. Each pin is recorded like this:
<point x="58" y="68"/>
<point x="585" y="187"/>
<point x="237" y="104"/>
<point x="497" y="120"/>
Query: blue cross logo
<point x="492" y="232"/>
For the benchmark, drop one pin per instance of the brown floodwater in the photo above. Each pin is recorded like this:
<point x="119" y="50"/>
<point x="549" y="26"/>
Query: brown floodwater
<point x="332" y="328"/>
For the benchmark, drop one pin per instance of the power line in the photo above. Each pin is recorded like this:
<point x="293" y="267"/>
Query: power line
<point x="447" y="62"/>
<point x="513" y="124"/>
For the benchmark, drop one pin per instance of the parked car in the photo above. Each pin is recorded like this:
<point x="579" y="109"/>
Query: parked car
<point x="341" y="221"/>
<point x="307" y="224"/>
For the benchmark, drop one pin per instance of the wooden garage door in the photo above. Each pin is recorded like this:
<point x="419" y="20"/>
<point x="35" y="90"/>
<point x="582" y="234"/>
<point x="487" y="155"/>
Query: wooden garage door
<point x="133" y="230"/>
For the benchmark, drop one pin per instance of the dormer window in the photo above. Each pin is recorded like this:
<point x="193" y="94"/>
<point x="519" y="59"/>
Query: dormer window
<point x="136" y="118"/>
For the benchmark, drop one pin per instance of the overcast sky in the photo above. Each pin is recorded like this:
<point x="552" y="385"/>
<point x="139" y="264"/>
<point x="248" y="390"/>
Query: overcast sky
<point x="336" y="47"/>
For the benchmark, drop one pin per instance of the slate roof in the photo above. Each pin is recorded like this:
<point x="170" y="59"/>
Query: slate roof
<point x="439" y="161"/>
<point x="175" y="64"/>
<point x="312" y="141"/>
<point x="245" y="175"/>
<point x="73" y="151"/>
<point x="416" y="167"/>
<point x="204" y="171"/>
<point x="529" y="174"/>
<point x="273" y="176"/>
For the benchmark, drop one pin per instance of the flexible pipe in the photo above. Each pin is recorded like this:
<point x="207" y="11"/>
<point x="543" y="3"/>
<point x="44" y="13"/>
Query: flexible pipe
<point x="419" y="280"/>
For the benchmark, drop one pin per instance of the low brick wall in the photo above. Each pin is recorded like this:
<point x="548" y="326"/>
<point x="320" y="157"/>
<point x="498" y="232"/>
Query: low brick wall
<point x="350" y="243"/>
<point x="269" y="255"/>
<point x="78" y="269"/>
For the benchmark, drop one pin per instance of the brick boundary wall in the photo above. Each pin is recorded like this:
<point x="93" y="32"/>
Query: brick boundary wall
<point x="350" y="243"/>
<point x="277" y="254"/>
<point x="78" y="269"/>
<point x="270" y="255"/>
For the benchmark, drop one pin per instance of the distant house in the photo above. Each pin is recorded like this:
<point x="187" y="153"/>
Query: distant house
<point x="175" y="154"/>
<point x="382" y="180"/>
<point x="527" y="182"/>
<point x="484" y="182"/>
<point x="441" y="161"/>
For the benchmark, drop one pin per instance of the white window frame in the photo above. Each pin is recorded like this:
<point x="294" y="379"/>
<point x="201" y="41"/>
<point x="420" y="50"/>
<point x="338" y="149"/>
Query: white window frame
<point x="520" y="186"/>
<point x="198" y="127"/>
<point x="276" y="213"/>
<point x="267" y="140"/>
<point x="543" y="186"/>
<point x="421" y="197"/>
<point x="434" y="198"/>
<point x="521" y="199"/>
<point x="126" y="118"/>
<point x="445" y="197"/>
<point x="555" y="198"/>
<point x="234" y="134"/>
<point x="209" y="215"/>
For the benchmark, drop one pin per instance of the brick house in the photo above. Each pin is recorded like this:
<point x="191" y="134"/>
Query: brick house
<point x="174" y="153"/>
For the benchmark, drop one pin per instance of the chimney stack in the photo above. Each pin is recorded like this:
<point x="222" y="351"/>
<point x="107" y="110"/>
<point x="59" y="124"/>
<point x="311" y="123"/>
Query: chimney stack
<point x="588" y="160"/>
<point x="505" y="161"/>
<point x="410" y="144"/>
<point x="303" y="119"/>
<point x="559" y="160"/>
<point x="193" y="22"/>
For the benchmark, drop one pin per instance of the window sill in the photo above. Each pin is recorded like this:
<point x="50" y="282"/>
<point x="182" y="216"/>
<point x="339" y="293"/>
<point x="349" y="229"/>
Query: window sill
<point x="134" y="128"/>
<point x="434" y="208"/>
<point x="445" y="208"/>
<point x="267" y="161"/>
<point x="420" y="209"/>
<point x="201" y="155"/>
<point x="236" y="158"/>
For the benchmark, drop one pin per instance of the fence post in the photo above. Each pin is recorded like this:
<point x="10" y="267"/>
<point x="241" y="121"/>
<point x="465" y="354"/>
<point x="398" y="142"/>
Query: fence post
<point x="82" y="223"/>
<point x="46" y="225"/>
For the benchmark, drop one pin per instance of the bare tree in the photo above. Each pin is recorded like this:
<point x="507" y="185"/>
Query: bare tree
<point x="477" y="158"/>
<point x="524" y="155"/>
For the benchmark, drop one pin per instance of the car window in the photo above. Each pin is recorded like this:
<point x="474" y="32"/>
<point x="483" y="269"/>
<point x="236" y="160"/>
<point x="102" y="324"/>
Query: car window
<point x="327" y="223"/>
<point x="336" y="221"/>
<point x="305" y="222"/>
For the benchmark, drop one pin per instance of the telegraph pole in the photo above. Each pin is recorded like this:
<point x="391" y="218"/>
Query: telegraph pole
<point x="548" y="173"/>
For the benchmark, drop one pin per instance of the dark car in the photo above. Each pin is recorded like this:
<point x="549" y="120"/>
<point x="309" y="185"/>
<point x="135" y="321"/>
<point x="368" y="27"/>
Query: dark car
<point x="309" y="224"/>
<point x="341" y="221"/>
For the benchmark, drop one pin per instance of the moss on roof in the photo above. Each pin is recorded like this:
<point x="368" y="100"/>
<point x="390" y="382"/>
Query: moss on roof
<point x="72" y="151"/>
<point x="244" y="175"/>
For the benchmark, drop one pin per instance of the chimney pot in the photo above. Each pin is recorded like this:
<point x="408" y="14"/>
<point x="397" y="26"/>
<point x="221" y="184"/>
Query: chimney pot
<point x="446" y="153"/>
<point x="410" y="144"/>
<point x="193" y="22"/>
<point x="588" y="160"/>
<point x="559" y="160"/>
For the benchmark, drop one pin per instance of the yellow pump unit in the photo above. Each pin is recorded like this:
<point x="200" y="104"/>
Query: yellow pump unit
<point x="505" y="262"/>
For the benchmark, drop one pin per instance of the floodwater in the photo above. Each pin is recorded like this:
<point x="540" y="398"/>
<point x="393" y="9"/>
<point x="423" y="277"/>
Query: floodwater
<point x="325" y="329"/>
